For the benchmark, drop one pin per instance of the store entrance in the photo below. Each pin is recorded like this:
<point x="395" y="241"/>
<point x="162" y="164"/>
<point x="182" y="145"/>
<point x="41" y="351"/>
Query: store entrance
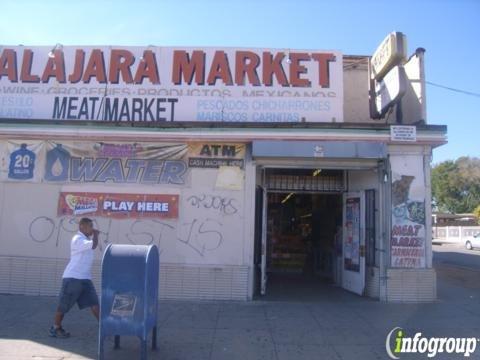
<point x="299" y="232"/>
<point x="304" y="241"/>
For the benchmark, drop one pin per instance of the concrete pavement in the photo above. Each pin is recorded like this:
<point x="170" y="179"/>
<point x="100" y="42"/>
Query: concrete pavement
<point x="456" y="255"/>
<point x="337" y="325"/>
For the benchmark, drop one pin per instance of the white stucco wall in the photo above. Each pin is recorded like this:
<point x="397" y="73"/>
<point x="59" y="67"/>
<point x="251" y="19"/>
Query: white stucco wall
<point x="355" y="92"/>
<point x="205" y="244"/>
<point x="411" y="283"/>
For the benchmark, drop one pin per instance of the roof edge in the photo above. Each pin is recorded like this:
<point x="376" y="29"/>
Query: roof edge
<point x="218" y="125"/>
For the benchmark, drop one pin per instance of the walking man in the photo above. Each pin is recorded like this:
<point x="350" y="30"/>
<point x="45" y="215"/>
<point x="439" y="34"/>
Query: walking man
<point x="77" y="286"/>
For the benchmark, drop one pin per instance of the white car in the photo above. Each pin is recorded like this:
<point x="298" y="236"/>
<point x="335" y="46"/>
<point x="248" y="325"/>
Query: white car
<point x="473" y="242"/>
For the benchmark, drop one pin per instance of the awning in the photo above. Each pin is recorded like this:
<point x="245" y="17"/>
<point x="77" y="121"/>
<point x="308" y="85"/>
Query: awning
<point x="319" y="149"/>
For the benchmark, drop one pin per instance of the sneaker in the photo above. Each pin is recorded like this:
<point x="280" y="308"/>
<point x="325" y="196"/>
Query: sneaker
<point x="58" y="333"/>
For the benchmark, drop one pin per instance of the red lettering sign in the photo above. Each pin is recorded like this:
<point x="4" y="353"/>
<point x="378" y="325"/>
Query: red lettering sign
<point x="120" y="206"/>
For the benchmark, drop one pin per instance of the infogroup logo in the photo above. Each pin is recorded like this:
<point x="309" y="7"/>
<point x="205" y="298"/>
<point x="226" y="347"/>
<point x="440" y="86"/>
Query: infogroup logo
<point x="398" y="343"/>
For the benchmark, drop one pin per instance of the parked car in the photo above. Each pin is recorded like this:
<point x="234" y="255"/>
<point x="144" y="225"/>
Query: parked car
<point x="473" y="242"/>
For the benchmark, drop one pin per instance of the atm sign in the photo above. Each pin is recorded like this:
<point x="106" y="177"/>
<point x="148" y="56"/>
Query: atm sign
<point x="214" y="155"/>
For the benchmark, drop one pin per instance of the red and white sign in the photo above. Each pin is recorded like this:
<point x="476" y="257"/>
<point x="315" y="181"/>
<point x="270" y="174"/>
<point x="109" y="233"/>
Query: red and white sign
<point x="118" y="205"/>
<point x="156" y="84"/>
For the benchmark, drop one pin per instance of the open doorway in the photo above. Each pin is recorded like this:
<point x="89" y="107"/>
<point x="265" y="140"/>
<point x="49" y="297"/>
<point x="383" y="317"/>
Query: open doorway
<point x="304" y="242"/>
<point x="301" y="231"/>
<point x="302" y="216"/>
<point x="316" y="233"/>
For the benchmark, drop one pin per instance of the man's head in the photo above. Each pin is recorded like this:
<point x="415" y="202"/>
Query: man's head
<point x="86" y="226"/>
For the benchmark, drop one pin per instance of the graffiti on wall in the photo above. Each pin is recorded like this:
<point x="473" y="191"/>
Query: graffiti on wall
<point x="47" y="230"/>
<point x="200" y="235"/>
<point x="187" y="224"/>
<point x="222" y="204"/>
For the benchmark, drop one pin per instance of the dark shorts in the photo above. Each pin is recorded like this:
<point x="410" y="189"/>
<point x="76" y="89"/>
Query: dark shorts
<point x="77" y="291"/>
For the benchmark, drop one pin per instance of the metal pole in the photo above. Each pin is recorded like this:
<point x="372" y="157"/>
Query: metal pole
<point x="399" y="112"/>
<point x="154" y="338"/>
<point x="117" y="342"/>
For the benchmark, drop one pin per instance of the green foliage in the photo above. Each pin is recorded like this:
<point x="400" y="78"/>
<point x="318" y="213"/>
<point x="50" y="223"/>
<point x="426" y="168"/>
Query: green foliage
<point x="456" y="185"/>
<point x="476" y="212"/>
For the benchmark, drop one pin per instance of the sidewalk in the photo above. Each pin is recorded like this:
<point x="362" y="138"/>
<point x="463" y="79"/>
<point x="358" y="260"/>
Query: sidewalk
<point x="343" y="326"/>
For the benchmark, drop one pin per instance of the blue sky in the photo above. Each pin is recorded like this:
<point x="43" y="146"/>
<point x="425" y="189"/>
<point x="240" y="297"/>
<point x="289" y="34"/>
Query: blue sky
<point x="448" y="30"/>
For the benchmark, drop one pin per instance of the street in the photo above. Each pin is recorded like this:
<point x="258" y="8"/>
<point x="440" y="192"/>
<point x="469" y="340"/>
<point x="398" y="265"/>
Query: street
<point x="340" y="326"/>
<point x="456" y="255"/>
<point x="458" y="273"/>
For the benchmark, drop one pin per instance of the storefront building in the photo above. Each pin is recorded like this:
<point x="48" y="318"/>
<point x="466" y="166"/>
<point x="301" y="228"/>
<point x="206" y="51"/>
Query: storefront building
<point x="246" y="167"/>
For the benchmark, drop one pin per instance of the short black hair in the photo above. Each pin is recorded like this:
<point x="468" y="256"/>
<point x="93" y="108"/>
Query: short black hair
<point x="85" y="221"/>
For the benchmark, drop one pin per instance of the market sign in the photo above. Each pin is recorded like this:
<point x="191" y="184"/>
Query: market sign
<point x="118" y="205"/>
<point x="392" y="51"/>
<point x="390" y="89"/>
<point x="159" y="84"/>
<point x="214" y="155"/>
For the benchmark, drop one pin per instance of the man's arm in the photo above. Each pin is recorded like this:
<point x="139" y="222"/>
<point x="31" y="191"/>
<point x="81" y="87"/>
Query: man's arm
<point x="95" y="239"/>
<point x="82" y="243"/>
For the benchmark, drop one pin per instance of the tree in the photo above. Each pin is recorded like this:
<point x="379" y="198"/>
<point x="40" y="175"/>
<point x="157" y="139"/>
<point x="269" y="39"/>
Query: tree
<point x="476" y="212"/>
<point x="456" y="185"/>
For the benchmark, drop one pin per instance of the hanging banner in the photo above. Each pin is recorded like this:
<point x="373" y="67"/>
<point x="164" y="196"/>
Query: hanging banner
<point x="408" y="212"/>
<point x="214" y="155"/>
<point x="118" y="206"/>
<point x="22" y="160"/>
<point x="160" y="84"/>
<point x="352" y="241"/>
<point x="134" y="163"/>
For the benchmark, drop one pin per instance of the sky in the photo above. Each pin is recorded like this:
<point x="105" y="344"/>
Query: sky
<point x="449" y="30"/>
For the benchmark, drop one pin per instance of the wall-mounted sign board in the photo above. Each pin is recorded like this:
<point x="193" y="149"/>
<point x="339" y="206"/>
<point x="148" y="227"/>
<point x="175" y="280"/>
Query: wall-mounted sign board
<point x="390" y="89"/>
<point x="403" y="133"/>
<point x="392" y="51"/>
<point x="160" y="84"/>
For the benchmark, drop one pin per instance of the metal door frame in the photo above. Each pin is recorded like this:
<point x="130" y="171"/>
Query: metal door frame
<point x="264" y="164"/>
<point x="350" y="278"/>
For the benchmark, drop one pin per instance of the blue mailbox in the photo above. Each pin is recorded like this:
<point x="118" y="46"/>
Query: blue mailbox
<point x="129" y="294"/>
